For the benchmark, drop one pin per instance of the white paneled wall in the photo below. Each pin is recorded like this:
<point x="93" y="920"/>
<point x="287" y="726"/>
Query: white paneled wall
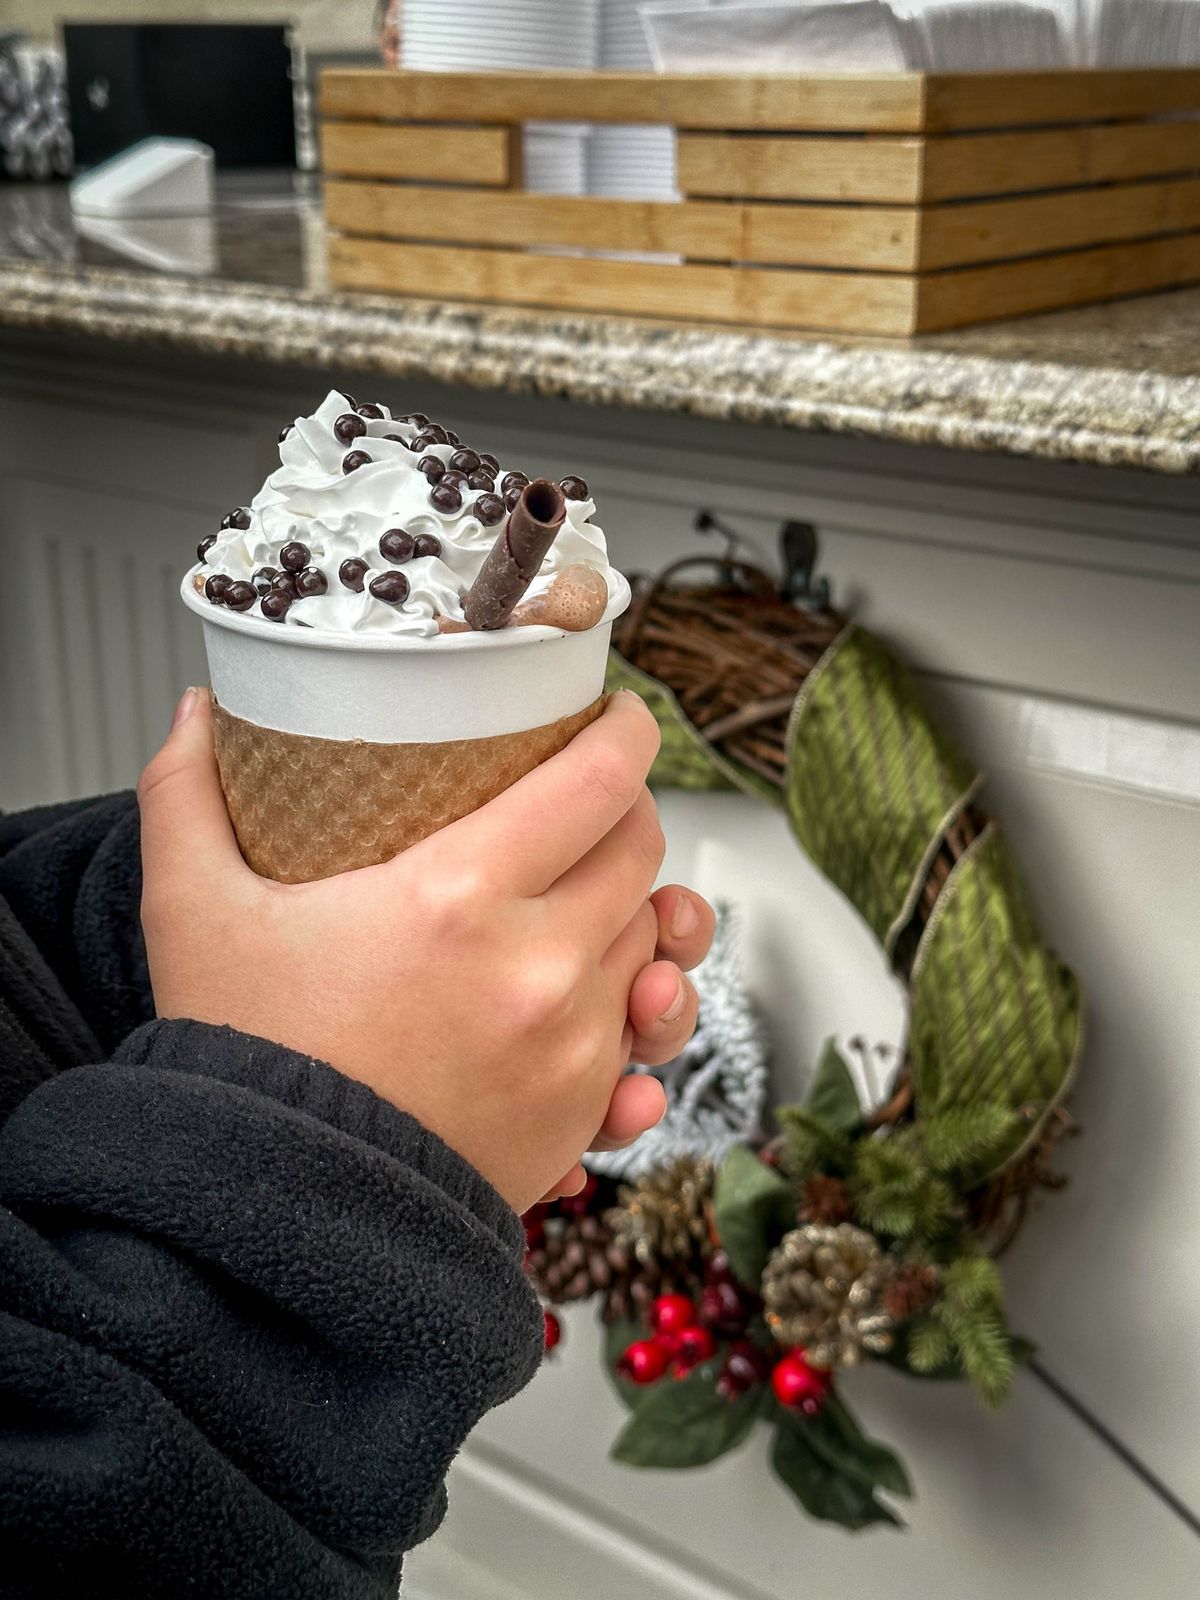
<point x="1054" y="615"/>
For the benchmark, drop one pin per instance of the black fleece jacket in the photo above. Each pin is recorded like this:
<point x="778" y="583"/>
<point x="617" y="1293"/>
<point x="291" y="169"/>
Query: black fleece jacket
<point x="248" y="1311"/>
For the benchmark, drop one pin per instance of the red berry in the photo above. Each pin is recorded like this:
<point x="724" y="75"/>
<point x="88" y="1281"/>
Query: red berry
<point x="798" y="1384"/>
<point x="671" y="1313"/>
<point x="723" y="1309"/>
<point x="694" y="1346"/>
<point x="745" y="1365"/>
<point x="553" y="1329"/>
<point x="717" y="1269"/>
<point x="644" y="1361"/>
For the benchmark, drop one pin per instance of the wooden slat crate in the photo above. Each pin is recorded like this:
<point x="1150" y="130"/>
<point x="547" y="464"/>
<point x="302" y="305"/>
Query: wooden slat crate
<point x="889" y="204"/>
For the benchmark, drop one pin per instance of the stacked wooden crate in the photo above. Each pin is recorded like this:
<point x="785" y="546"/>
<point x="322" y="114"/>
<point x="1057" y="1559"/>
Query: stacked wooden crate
<point x="890" y="204"/>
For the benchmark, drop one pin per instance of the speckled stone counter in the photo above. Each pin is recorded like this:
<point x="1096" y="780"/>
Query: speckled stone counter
<point x="1115" y="385"/>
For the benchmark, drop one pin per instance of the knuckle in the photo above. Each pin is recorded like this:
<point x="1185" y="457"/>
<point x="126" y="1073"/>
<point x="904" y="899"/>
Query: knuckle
<point x="605" y="773"/>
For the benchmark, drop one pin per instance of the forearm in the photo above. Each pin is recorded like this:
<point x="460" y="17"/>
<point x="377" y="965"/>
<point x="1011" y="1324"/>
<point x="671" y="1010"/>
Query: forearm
<point x="304" y="1295"/>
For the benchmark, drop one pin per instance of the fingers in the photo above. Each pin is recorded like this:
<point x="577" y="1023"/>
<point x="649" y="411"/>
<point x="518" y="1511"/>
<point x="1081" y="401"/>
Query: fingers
<point x="548" y="820"/>
<point x="662" y="1011"/>
<point x="638" y="1103"/>
<point x="685" y="925"/>
<point x="601" y="894"/>
<point x="185" y="826"/>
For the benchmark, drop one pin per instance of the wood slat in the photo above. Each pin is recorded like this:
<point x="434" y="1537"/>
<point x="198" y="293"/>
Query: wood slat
<point x="889" y="101"/>
<point x="1048" y="283"/>
<point x="816" y="236"/>
<point x="996" y="230"/>
<point x="433" y="155"/>
<point x="883" y="102"/>
<point x="907" y="170"/>
<point x="838" y="301"/>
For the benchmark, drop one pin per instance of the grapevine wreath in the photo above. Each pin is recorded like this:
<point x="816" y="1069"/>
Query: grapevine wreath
<point x="745" y="1280"/>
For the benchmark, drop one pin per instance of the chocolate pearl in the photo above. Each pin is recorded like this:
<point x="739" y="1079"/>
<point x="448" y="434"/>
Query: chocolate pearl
<point x="239" y="517"/>
<point x="511" y="478"/>
<point x="352" y="572"/>
<point x="217" y="587"/>
<point x="356" y="459"/>
<point x="481" y="480"/>
<point x="451" y="436"/>
<point x="458" y="479"/>
<point x="427" y="544"/>
<point x="285" y="430"/>
<point x="574" y="488"/>
<point x="349" y="399"/>
<point x="440" y="435"/>
<point x="432" y="467"/>
<point x="349" y="427"/>
<point x="370" y="410"/>
<point x="446" y="497"/>
<point x="264" y="579"/>
<point x="295" y="557"/>
<point x="465" y="461"/>
<point x="276" y="604"/>
<point x="423" y="440"/>
<point x="489" y="508"/>
<point x="205" y="546"/>
<point x="285" y="583"/>
<point x="398" y="438"/>
<point x="415" y="419"/>
<point x="513" y="493"/>
<point x="489" y="460"/>
<point x="311" y="581"/>
<point x="390" y="586"/>
<point x="240" y="596"/>
<point x="396" y="545"/>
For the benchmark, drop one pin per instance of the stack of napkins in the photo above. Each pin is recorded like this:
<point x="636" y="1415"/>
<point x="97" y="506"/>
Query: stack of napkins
<point x="919" y="35"/>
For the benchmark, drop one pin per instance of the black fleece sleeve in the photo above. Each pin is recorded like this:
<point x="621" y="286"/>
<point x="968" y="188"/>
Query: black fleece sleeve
<point x="72" y="876"/>
<point x="248" y="1313"/>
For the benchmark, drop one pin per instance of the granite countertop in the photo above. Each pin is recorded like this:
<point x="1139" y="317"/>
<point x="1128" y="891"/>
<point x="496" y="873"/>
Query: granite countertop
<point x="1115" y="385"/>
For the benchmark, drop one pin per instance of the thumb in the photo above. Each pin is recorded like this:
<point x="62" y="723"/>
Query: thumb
<point x="185" y="826"/>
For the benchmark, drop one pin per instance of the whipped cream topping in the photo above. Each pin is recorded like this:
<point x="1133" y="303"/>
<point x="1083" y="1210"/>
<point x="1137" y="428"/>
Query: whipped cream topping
<point x="339" y="516"/>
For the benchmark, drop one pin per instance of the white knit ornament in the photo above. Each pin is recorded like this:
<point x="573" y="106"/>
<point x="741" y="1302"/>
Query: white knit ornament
<point x="717" y="1085"/>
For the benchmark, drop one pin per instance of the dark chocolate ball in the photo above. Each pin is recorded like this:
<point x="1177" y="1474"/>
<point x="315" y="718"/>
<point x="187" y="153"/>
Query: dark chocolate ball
<point x="513" y="493"/>
<point x="423" y="440"/>
<point x="511" y="478"/>
<point x="390" y="586"/>
<point x="349" y="399"/>
<point x="432" y="467"/>
<point x="489" y="460"/>
<point x="396" y="545"/>
<point x="264" y="579"/>
<point x="370" y="410"/>
<point x="452" y="475"/>
<point x="349" y="427"/>
<point x="351" y="572"/>
<point x="398" y="438"/>
<point x="574" y="488"/>
<point x="285" y="430"/>
<point x="489" y="508"/>
<point x="451" y="436"/>
<point x="446" y="497"/>
<point x="311" y="581"/>
<point x="205" y="546"/>
<point x="285" y="583"/>
<point x="239" y="517"/>
<point x="427" y="544"/>
<point x="356" y="459"/>
<point x="240" y="596"/>
<point x="415" y="419"/>
<point x="465" y="461"/>
<point x="295" y="557"/>
<point x="481" y="479"/>
<point x="276" y="604"/>
<point x="217" y="587"/>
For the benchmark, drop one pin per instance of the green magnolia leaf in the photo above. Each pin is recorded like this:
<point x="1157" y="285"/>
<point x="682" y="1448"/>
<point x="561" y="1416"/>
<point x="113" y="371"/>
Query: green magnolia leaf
<point x="824" y="1491"/>
<point x="833" y="1096"/>
<point x="618" y="1336"/>
<point x="836" y="1435"/>
<point x="684" y="1422"/>
<point x="753" y="1206"/>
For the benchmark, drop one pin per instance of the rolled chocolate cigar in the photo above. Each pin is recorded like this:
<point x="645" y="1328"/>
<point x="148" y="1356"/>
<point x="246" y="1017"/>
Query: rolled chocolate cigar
<point x="513" y="561"/>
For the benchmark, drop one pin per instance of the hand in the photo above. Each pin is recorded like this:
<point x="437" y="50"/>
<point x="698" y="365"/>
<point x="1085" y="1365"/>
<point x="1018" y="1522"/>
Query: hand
<point x="492" y="980"/>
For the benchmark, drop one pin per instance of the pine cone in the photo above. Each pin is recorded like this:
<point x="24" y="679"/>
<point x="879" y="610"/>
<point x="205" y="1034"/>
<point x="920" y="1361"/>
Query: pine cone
<point x="825" y="1200"/>
<point x="823" y="1288"/>
<point x="664" y="1216"/>
<point x="913" y="1289"/>
<point x="578" y="1257"/>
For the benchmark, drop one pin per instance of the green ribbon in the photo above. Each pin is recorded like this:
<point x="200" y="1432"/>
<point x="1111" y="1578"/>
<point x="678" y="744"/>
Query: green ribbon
<point x="872" y="786"/>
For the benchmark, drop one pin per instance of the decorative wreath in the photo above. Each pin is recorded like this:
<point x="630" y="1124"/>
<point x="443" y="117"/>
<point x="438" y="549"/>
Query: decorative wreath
<point x="742" y="1279"/>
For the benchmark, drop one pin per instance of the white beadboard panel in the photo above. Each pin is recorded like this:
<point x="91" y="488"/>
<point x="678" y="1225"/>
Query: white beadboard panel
<point x="1024" y="1503"/>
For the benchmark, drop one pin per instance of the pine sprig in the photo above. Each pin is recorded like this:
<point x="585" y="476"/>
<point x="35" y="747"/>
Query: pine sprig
<point x="969" y="1138"/>
<point x="896" y="1192"/>
<point x="965" y="1329"/>
<point x="811" y="1144"/>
